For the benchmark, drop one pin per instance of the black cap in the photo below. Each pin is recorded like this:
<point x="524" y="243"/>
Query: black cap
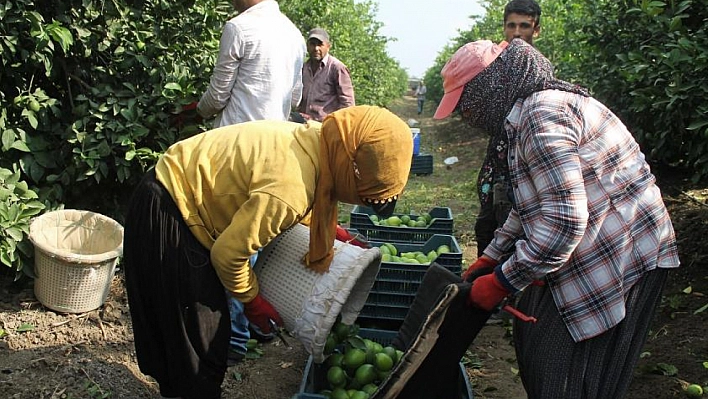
<point x="319" y="34"/>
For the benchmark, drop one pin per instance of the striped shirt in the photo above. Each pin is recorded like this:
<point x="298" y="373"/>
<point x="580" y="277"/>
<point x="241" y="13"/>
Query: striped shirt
<point x="588" y="216"/>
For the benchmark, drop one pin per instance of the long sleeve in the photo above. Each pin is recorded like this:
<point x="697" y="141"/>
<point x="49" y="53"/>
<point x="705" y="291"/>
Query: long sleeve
<point x="256" y="223"/>
<point x="225" y="73"/>
<point x="345" y="88"/>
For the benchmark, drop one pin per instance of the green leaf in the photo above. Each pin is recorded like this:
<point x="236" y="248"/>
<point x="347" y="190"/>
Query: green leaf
<point x="25" y="327"/>
<point x="701" y="309"/>
<point x="173" y="86"/>
<point x="697" y="125"/>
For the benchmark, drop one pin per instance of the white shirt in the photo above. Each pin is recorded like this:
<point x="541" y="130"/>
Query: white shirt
<point x="258" y="74"/>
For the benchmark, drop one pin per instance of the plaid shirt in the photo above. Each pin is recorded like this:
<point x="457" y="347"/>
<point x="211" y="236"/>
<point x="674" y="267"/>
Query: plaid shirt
<point x="588" y="216"/>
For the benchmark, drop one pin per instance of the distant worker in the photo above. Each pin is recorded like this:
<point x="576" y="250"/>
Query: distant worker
<point x="420" y="95"/>
<point x="327" y="83"/>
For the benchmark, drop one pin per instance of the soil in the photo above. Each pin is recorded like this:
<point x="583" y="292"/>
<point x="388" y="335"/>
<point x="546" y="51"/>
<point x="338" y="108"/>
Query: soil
<point x="45" y="354"/>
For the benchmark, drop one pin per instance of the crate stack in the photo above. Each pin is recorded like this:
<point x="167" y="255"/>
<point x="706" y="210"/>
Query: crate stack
<point x="422" y="163"/>
<point x="397" y="283"/>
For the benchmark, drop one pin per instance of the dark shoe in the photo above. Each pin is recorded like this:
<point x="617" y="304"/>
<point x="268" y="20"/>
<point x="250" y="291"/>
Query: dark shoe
<point x="234" y="358"/>
<point x="259" y="335"/>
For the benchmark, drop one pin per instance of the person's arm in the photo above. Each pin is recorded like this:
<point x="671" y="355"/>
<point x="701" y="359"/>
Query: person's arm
<point x="256" y="223"/>
<point x="224" y="75"/>
<point x="345" y="88"/>
<point x="553" y="198"/>
<point x="298" y="87"/>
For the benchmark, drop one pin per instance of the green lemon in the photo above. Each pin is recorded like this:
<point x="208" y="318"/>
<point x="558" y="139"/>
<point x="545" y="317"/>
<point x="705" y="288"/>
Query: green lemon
<point x="392" y="248"/>
<point x="399" y="355"/>
<point x="365" y="374"/>
<point x="383" y="362"/>
<point x="354" y="358"/>
<point x="391" y="352"/>
<point x="443" y="249"/>
<point x="370" y="388"/>
<point x="341" y="331"/>
<point x="427" y="217"/>
<point x="394" y="221"/>
<point x="339" y="393"/>
<point x="335" y="359"/>
<point x="694" y="391"/>
<point x="336" y="377"/>
<point x="359" y="395"/>
<point x="422" y="259"/>
<point x="330" y="344"/>
<point x="34" y="105"/>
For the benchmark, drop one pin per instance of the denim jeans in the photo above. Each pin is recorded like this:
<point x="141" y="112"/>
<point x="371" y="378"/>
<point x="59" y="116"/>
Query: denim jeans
<point x="239" y="326"/>
<point x="239" y="323"/>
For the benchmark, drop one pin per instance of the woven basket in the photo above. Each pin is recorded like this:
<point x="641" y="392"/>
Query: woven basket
<point x="75" y="258"/>
<point x="310" y="302"/>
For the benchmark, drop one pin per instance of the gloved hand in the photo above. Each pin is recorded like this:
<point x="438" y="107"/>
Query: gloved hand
<point x="344" y="236"/>
<point x="486" y="292"/>
<point x="482" y="261"/>
<point x="258" y="311"/>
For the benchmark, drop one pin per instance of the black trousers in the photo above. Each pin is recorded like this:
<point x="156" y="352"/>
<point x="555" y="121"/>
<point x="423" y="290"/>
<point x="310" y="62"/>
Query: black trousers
<point x="177" y="303"/>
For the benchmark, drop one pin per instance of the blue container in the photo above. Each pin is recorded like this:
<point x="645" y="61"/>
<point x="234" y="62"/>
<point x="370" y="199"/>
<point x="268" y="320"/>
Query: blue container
<point x="416" y="140"/>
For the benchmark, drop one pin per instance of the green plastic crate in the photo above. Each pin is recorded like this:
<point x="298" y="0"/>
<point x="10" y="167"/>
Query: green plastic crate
<point x="360" y="219"/>
<point x="422" y="164"/>
<point x="314" y="376"/>
<point x="396" y="284"/>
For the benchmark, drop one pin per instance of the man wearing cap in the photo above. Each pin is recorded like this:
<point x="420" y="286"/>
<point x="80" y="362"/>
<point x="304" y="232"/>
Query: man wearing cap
<point x="588" y="242"/>
<point x="257" y="74"/>
<point x="327" y="83"/>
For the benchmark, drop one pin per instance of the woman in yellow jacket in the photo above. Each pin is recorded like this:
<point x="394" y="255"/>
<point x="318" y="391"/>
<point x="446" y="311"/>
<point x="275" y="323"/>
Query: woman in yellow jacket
<point x="214" y="199"/>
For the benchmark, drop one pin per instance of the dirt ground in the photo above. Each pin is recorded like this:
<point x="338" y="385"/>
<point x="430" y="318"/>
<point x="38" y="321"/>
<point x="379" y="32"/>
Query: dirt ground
<point x="44" y="354"/>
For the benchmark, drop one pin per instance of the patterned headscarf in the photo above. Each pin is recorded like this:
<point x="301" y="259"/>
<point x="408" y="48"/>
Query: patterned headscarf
<point x="519" y="71"/>
<point x="365" y="154"/>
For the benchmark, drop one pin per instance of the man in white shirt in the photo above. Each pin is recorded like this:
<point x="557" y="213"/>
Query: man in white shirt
<point x="258" y="74"/>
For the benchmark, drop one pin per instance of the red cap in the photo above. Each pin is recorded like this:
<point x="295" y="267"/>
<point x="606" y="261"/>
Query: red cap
<point x="467" y="62"/>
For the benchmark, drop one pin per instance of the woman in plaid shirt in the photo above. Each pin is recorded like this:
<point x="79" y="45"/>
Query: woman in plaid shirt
<point x="589" y="240"/>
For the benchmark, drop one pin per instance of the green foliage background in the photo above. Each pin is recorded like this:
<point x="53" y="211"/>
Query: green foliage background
<point x="645" y="59"/>
<point x="90" y="90"/>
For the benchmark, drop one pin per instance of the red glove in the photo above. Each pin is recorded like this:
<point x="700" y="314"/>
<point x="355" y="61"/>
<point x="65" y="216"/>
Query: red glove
<point x="482" y="261"/>
<point x="344" y="236"/>
<point x="486" y="292"/>
<point x="259" y="311"/>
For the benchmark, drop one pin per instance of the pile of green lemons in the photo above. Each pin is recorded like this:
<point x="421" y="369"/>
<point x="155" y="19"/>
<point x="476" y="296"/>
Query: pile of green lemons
<point x="391" y="254"/>
<point x="354" y="365"/>
<point x="406" y="221"/>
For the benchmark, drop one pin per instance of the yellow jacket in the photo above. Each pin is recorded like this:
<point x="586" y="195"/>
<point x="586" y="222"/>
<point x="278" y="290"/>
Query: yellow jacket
<point x="239" y="186"/>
